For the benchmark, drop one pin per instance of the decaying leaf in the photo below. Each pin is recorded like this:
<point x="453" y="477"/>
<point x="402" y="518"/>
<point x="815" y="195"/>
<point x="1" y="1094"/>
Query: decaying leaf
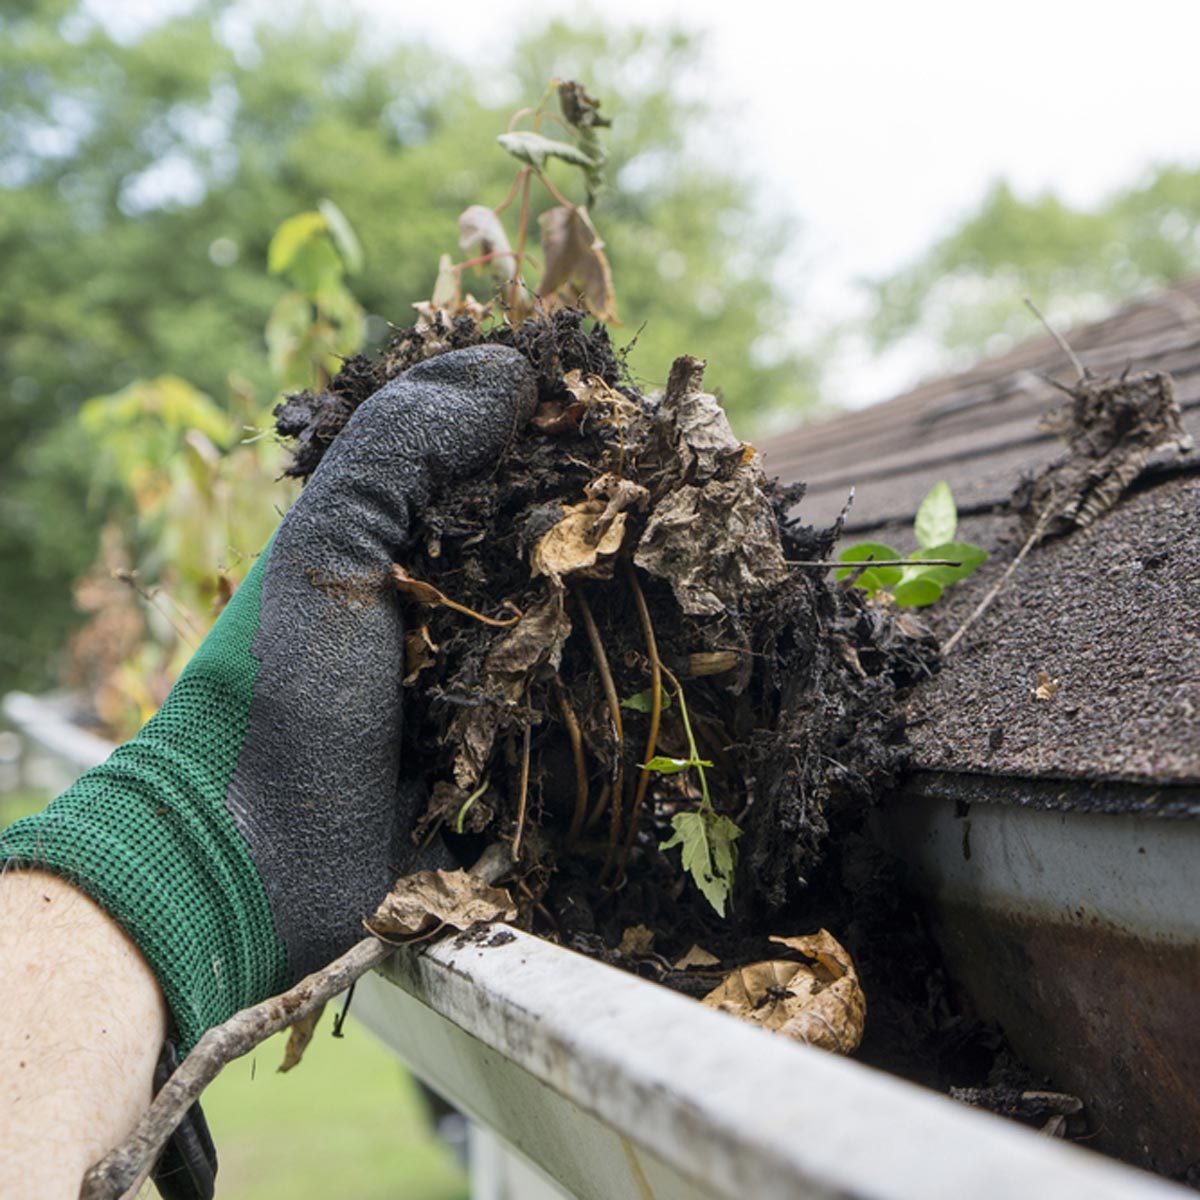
<point x="715" y="538"/>
<point x="697" y="956"/>
<point x="419" y="652"/>
<point x="479" y="228"/>
<point x="621" y="494"/>
<point x="1055" y="1114"/>
<point x="536" y="641"/>
<point x="1046" y="688"/>
<point x="429" y="900"/>
<point x="637" y="941"/>
<point x="717" y="545"/>
<point x="820" y="1003"/>
<point x="578" y="543"/>
<point x="1111" y="426"/>
<point x="299" y="1036"/>
<point x="575" y="267"/>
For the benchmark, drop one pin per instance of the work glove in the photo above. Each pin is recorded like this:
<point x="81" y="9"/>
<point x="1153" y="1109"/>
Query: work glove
<point x="242" y="836"/>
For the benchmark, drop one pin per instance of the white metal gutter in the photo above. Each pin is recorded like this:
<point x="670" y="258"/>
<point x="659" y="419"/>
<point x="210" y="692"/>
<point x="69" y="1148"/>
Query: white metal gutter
<point x="618" y="1088"/>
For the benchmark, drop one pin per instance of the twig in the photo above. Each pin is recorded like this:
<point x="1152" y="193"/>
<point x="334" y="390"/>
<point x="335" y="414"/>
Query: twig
<point x="571" y="721"/>
<point x="643" y="782"/>
<point x="121" y="1168"/>
<point x="522" y="233"/>
<point x="522" y="798"/>
<point x="1063" y="345"/>
<point x="986" y="603"/>
<point x="822" y="564"/>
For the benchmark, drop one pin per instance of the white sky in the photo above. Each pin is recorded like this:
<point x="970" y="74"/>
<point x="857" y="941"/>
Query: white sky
<point x="879" y="123"/>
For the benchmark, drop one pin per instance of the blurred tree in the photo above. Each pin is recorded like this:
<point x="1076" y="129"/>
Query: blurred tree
<point x="141" y="179"/>
<point x="966" y="291"/>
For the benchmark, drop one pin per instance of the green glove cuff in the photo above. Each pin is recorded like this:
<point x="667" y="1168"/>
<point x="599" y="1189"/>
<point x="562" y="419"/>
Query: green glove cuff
<point x="147" y="835"/>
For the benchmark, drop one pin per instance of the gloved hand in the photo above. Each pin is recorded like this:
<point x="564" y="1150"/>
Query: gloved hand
<point x="244" y="833"/>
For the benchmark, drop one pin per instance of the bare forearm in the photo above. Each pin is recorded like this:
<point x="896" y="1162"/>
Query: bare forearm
<point x="84" y="1022"/>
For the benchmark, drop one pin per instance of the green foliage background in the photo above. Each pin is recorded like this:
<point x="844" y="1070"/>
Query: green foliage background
<point x="141" y="181"/>
<point x="965" y="292"/>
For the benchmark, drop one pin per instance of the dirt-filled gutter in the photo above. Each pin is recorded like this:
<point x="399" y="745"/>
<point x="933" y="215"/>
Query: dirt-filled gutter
<point x="622" y="1090"/>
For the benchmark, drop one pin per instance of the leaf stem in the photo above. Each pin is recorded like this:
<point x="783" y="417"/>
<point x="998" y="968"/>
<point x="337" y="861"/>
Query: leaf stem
<point x="522" y="798"/>
<point x="656" y="669"/>
<point x="693" y="751"/>
<point x="462" y="812"/>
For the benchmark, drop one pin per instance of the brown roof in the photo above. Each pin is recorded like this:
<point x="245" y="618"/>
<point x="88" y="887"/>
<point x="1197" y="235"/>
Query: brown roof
<point x="1111" y="613"/>
<point x="978" y="429"/>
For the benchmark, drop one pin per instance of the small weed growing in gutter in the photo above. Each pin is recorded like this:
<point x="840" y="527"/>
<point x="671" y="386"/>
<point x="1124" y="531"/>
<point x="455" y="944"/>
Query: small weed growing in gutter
<point x="917" y="586"/>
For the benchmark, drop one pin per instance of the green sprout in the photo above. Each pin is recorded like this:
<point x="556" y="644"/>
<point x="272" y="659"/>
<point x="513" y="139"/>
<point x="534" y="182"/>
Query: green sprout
<point x="706" y="838"/>
<point x="918" y="585"/>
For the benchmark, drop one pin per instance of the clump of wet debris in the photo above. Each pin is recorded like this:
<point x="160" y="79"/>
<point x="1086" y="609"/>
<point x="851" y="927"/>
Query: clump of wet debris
<point x="624" y="589"/>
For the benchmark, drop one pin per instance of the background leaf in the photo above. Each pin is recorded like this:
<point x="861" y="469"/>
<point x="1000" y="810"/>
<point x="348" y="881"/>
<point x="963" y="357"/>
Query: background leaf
<point x="643" y="701"/>
<point x="344" y="237"/>
<point x="937" y="518"/>
<point x="967" y="553"/>
<point x="874" y="578"/>
<point x="290" y="237"/>
<point x="916" y="593"/>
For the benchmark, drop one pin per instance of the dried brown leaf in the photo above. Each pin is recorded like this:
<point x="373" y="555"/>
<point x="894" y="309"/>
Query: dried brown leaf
<point x="1045" y="689"/>
<point x="553" y="417"/>
<point x="697" y="956"/>
<point x="420" y="652"/>
<point x="535" y="642"/>
<point x="821" y="1003"/>
<point x="575" y="265"/>
<point x="637" y="941"/>
<point x="577" y="543"/>
<point x="718" y="545"/>
<point x="431" y="899"/>
<point x="480" y="227"/>
<point x="620" y="493"/>
<point x="299" y="1036"/>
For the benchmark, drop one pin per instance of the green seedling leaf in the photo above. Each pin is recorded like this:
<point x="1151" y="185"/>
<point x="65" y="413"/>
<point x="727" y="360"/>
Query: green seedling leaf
<point x="290" y="237"/>
<point x="937" y="518"/>
<point x="663" y="765"/>
<point x="916" y="593"/>
<point x="708" y="850"/>
<point x="534" y="149"/>
<point x="970" y="556"/>
<point x="344" y="237"/>
<point x="874" y="578"/>
<point x="643" y="702"/>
